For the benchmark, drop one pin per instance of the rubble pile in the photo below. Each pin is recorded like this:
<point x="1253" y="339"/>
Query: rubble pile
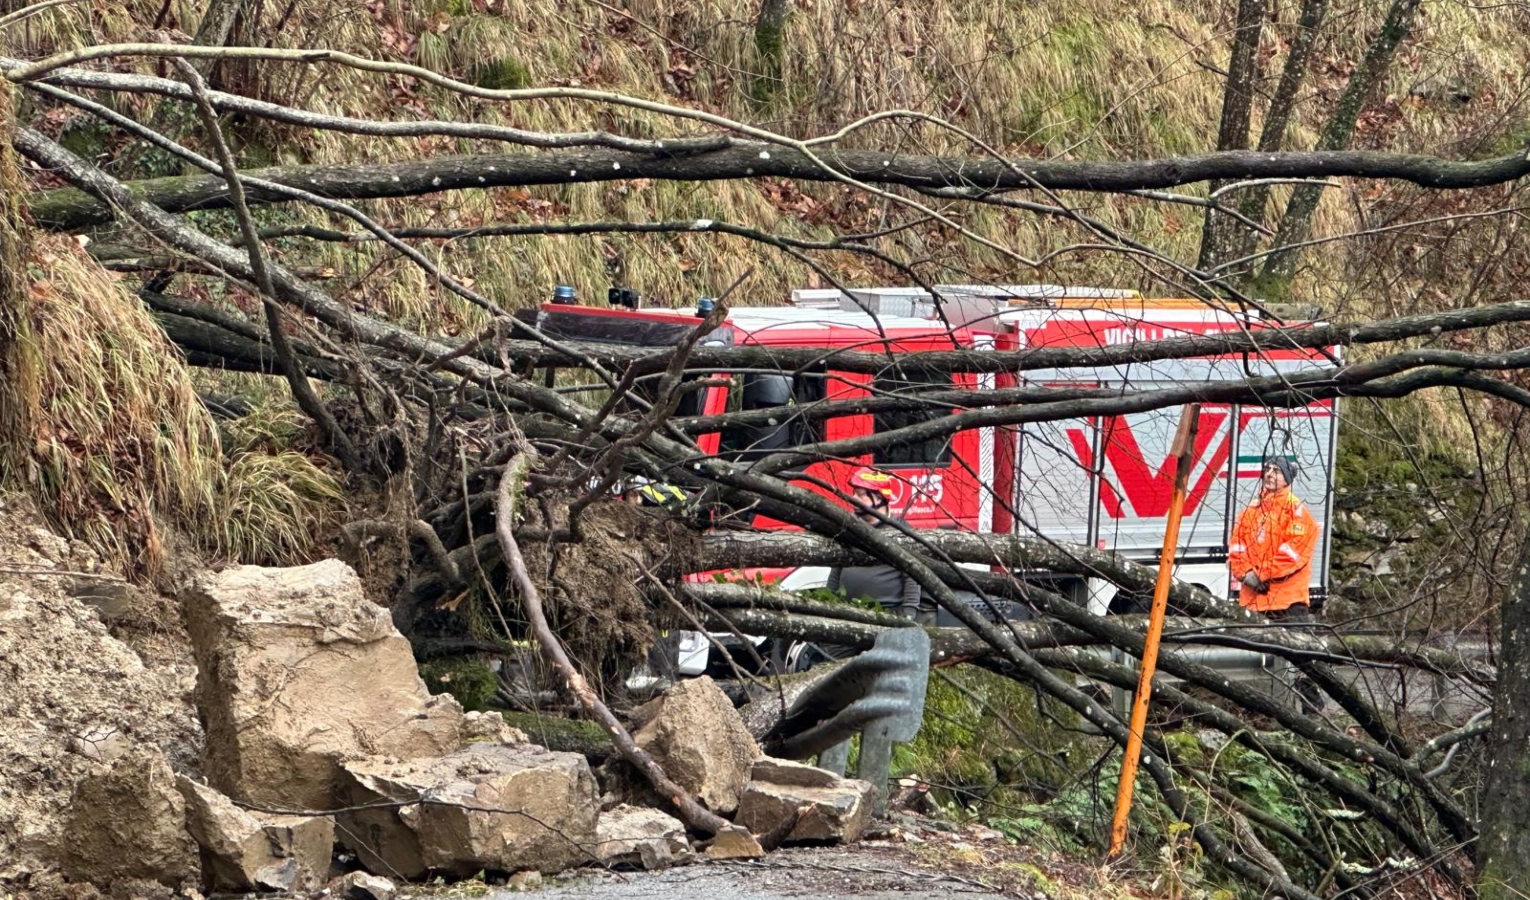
<point x="320" y="736"/>
<point x="78" y="689"/>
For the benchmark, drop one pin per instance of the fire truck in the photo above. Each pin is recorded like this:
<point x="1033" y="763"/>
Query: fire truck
<point x="1100" y="481"/>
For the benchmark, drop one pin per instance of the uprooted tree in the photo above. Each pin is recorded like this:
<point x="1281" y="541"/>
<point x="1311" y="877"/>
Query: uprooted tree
<point x="433" y="422"/>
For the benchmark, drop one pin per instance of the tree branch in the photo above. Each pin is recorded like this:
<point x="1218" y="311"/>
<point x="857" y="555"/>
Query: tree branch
<point x="696" y="815"/>
<point x="64" y="209"/>
<point x="281" y="346"/>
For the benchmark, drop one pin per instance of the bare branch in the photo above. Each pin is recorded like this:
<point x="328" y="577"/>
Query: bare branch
<point x="65" y="210"/>
<point x="297" y="380"/>
<point x="418" y="529"/>
<point x="225" y="102"/>
<point x="696" y="815"/>
<point x="26" y="12"/>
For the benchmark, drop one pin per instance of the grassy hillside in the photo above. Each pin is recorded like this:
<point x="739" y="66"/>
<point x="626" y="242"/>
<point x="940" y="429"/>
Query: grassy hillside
<point x="1091" y="79"/>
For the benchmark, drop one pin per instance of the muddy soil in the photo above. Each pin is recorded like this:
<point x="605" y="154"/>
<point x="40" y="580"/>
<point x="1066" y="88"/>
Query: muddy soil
<point x="89" y="668"/>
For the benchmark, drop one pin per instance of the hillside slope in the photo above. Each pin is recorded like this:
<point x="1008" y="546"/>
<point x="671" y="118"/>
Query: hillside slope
<point x="1099" y="79"/>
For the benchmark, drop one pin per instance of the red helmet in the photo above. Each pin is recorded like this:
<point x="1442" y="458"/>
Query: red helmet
<point x="872" y="480"/>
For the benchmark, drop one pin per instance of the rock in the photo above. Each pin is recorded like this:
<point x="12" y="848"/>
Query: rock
<point x="792" y="774"/>
<point x="244" y="851"/>
<point x="631" y="836"/>
<point x="495" y="807"/>
<point x="696" y="735"/>
<point x="103" y="743"/>
<point x="735" y="843"/>
<point x="837" y="813"/>
<point x="525" y="881"/>
<point x="298" y="671"/>
<point x="984" y="833"/>
<point x="52" y="547"/>
<point x="127" y="822"/>
<point x="363" y="886"/>
<point x="110" y="597"/>
<point x="490" y="727"/>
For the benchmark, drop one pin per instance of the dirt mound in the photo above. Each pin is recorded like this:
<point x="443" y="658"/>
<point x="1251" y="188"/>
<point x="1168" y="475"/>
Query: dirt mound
<point x="595" y="590"/>
<point x="75" y="696"/>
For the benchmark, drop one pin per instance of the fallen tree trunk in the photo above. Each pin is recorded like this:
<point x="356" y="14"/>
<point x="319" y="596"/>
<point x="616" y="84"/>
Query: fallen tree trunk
<point x="211" y="347"/>
<point x="65" y="209"/>
<point x="1232" y="626"/>
<point x="742" y="550"/>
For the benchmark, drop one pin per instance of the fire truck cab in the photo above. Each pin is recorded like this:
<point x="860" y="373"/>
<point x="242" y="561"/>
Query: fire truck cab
<point x="938" y="483"/>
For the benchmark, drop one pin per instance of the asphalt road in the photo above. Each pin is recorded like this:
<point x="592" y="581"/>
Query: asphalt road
<point x="864" y="873"/>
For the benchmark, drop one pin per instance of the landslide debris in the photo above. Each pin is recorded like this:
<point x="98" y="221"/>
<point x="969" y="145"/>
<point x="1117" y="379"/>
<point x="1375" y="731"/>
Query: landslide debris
<point x="77" y="693"/>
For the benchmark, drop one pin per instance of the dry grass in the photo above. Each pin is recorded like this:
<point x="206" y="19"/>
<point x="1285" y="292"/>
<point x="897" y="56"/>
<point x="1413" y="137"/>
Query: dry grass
<point x="14" y="239"/>
<point x="272" y="507"/>
<point x="274" y="503"/>
<point x="104" y="429"/>
<point x="116" y="443"/>
<point x="1084" y="78"/>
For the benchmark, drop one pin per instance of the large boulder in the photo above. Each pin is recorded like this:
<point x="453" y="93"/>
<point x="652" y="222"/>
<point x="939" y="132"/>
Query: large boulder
<point x="244" y="851"/>
<point x="490" y="807"/>
<point x="638" y="837"/>
<point x="298" y="672"/>
<point x="825" y="807"/>
<point x="696" y="735"/>
<point x="128" y="822"/>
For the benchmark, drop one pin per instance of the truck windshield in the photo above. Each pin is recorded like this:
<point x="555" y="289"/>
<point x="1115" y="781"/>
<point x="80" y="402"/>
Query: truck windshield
<point x="690" y="403"/>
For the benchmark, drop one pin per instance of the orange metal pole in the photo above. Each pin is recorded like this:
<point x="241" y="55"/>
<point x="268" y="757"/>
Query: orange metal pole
<point x="1184" y="441"/>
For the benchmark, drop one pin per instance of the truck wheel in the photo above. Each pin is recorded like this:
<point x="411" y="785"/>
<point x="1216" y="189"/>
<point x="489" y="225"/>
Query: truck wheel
<point x="801" y="655"/>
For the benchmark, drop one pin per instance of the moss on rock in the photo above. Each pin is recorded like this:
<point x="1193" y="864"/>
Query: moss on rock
<point x="470" y="681"/>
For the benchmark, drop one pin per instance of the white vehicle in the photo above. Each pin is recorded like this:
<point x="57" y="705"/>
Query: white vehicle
<point x="1105" y="482"/>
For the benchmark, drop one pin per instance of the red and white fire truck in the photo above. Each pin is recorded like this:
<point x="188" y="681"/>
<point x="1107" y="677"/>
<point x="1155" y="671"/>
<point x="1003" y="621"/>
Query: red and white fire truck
<point x="1101" y="481"/>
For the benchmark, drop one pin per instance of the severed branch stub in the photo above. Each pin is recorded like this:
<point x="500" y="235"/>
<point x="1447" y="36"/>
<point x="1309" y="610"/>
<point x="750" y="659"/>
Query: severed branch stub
<point x="695" y="815"/>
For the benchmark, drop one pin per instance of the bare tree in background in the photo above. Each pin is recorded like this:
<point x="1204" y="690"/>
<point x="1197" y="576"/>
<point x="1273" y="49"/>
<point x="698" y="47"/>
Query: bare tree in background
<point x="1237" y="110"/>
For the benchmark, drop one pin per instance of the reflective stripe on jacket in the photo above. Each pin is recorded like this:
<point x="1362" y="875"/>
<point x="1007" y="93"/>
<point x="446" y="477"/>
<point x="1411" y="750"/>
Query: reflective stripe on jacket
<point x="1275" y="537"/>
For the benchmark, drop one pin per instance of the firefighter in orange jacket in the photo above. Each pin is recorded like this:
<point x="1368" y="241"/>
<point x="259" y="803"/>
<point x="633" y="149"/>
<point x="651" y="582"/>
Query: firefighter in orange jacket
<point x="1271" y="549"/>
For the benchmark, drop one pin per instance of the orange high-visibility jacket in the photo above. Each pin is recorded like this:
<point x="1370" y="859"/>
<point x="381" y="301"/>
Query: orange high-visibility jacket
<point x="1275" y="537"/>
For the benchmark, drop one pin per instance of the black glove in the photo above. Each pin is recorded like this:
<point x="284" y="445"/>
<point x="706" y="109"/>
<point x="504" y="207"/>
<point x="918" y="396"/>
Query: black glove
<point x="1253" y="583"/>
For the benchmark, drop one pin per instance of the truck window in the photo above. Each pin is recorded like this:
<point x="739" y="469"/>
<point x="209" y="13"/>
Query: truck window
<point x="908" y="381"/>
<point x="690" y="403"/>
<point x="765" y="390"/>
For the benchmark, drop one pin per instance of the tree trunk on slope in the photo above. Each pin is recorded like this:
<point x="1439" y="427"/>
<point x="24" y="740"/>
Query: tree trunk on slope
<point x="770" y="42"/>
<point x="1296" y="224"/>
<point x="1503" y="850"/>
<point x="1220" y="232"/>
<point x="1277" y="118"/>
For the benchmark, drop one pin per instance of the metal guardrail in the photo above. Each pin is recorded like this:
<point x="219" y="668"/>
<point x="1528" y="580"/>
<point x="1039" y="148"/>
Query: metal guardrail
<point x="879" y="694"/>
